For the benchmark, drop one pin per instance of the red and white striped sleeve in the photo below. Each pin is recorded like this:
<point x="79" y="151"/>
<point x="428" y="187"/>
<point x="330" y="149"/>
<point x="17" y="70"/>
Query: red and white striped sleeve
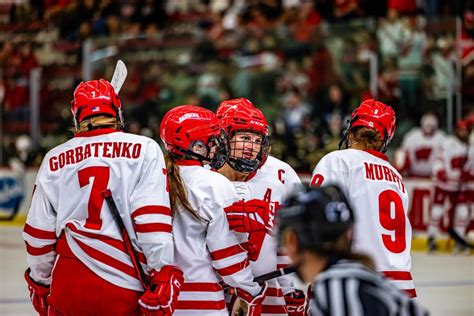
<point x="229" y="259"/>
<point x="151" y="213"/>
<point x="40" y="237"/>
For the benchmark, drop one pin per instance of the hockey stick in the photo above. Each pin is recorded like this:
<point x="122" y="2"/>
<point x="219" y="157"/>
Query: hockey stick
<point x="119" y="76"/>
<point x="107" y="194"/>
<point x="274" y="274"/>
<point x="459" y="239"/>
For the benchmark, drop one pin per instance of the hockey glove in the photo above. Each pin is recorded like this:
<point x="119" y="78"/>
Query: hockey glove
<point x="162" y="297"/>
<point x="246" y="304"/>
<point x="249" y="216"/>
<point x="38" y="294"/>
<point x="295" y="303"/>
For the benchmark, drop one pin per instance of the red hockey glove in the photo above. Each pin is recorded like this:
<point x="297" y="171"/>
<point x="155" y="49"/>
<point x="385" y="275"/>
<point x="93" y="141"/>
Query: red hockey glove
<point x="38" y="294"/>
<point x="251" y="306"/>
<point x="466" y="176"/>
<point x="162" y="297"/>
<point x="441" y="176"/>
<point x="249" y="216"/>
<point x="295" y="303"/>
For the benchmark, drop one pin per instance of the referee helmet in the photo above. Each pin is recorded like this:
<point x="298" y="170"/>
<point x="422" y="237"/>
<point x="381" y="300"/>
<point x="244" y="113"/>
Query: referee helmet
<point x="317" y="216"/>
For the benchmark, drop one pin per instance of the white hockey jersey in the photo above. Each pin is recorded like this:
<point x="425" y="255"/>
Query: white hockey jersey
<point x="68" y="198"/>
<point x="420" y="151"/>
<point x="273" y="182"/>
<point x="378" y="196"/>
<point x="207" y="251"/>
<point x="451" y="158"/>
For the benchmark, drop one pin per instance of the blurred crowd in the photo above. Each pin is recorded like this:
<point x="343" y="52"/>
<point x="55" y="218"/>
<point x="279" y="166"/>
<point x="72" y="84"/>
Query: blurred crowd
<point x="305" y="63"/>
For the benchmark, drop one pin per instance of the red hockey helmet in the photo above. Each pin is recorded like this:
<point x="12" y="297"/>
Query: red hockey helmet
<point x="463" y="124"/>
<point x="95" y="97"/>
<point x="231" y="105"/>
<point x="241" y="118"/>
<point x="376" y="115"/>
<point x="187" y="127"/>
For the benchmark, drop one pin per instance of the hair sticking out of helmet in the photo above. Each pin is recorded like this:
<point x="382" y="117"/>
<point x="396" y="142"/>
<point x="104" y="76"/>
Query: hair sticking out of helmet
<point x="375" y="115"/>
<point x="318" y="216"/>
<point x="248" y="132"/>
<point x="193" y="132"/>
<point x="93" y="98"/>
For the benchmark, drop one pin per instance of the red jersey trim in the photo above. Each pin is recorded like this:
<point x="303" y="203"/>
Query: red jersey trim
<point x="410" y="292"/>
<point x="151" y="209"/>
<point x="112" y="262"/>
<point x="153" y="227"/>
<point x="187" y="162"/>
<point x="38" y="251"/>
<point x="377" y="154"/>
<point x="209" y="305"/>
<point x="233" y="268"/>
<point x="251" y="176"/>
<point x="272" y="291"/>
<point x="282" y="265"/>
<point x="226" y="252"/>
<point x="97" y="132"/>
<point x="398" y="275"/>
<point x="201" y="287"/>
<point x="116" y="243"/>
<point x="39" y="233"/>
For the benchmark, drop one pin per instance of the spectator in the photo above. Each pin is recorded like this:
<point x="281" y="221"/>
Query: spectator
<point x="335" y="103"/>
<point x="409" y="64"/>
<point x="389" y="34"/>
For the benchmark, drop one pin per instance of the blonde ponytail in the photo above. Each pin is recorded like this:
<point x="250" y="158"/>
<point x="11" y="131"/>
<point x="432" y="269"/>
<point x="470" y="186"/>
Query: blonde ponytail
<point x="178" y="195"/>
<point x="93" y="122"/>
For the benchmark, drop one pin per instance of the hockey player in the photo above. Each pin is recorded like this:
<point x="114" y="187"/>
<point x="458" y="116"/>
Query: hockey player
<point x="258" y="177"/>
<point x="78" y="263"/>
<point x="375" y="190"/>
<point x="315" y="226"/>
<point x="449" y="176"/>
<point x="205" y="248"/>
<point x="419" y="148"/>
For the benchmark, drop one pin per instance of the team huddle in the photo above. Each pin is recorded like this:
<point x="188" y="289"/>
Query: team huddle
<point x="211" y="216"/>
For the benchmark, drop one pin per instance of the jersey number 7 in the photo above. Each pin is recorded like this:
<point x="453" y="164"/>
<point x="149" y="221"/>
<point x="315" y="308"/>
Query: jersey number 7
<point x="100" y="176"/>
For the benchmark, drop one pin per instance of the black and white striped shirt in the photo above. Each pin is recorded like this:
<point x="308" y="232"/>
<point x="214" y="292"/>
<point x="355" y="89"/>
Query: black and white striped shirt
<point x="348" y="288"/>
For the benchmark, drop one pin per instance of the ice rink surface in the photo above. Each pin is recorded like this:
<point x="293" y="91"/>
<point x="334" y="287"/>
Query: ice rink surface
<point x="445" y="283"/>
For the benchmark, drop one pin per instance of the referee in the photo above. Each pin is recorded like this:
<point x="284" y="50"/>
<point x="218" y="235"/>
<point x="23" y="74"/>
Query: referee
<point x="315" y="228"/>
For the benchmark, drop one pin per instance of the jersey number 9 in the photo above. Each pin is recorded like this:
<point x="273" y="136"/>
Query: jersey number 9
<point x="392" y="221"/>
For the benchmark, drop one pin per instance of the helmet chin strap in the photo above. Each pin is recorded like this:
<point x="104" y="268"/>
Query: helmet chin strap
<point x="76" y="126"/>
<point x="243" y="165"/>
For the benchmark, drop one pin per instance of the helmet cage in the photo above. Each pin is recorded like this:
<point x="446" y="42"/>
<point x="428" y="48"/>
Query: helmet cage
<point x="216" y="150"/>
<point x="246" y="165"/>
